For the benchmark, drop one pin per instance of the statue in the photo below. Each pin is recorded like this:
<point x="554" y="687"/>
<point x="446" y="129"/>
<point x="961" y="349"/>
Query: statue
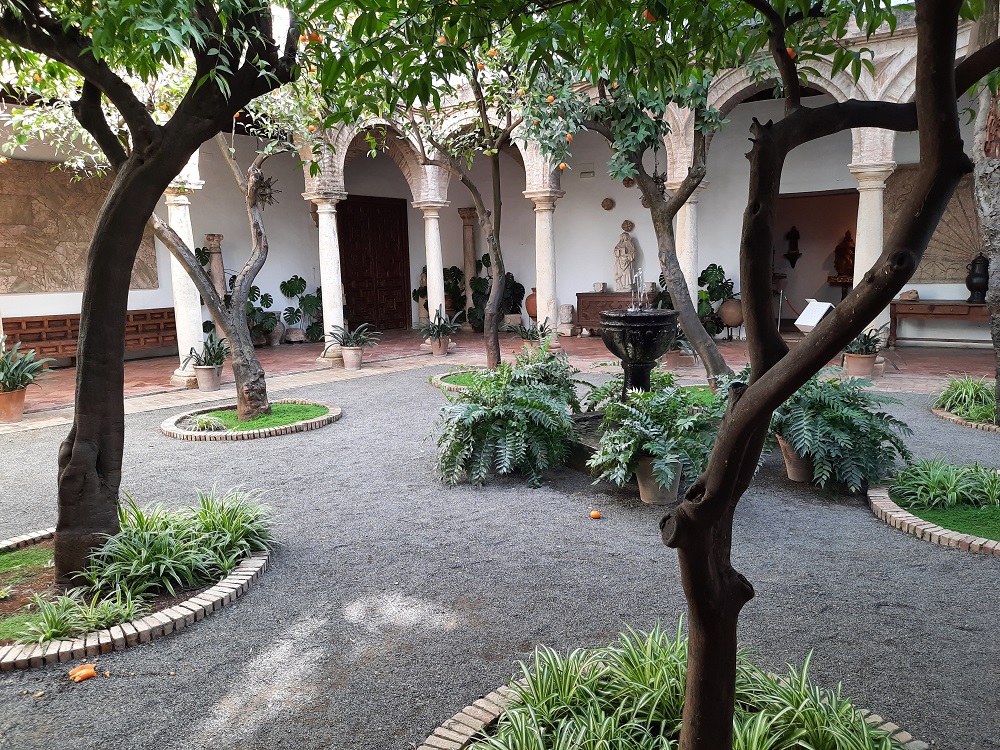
<point x="843" y="256"/>
<point x="625" y="259"/>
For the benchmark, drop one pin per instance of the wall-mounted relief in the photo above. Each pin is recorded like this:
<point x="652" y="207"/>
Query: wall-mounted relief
<point x="46" y="224"/>
<point x="955" y="242"/>
<point x="607" y="204"/>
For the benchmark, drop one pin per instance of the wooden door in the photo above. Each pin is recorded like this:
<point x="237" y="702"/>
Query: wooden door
<point x="375" y="261"/>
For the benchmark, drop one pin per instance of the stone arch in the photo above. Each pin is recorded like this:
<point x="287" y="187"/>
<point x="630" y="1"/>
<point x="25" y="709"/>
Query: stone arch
<point x="679" y="143"/>
<point x="733" y="86"/>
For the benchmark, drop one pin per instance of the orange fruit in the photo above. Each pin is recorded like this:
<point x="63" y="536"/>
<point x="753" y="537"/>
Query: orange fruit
<point x="521" y="92"/>
<point x="236" y="115"/>
<point x="595" y="514"/>
<point x="562" y="165"/>
<point x="535" y="122"/>
<point x="492" y="53"/>
<point x="314" y="37"/>
<point x="550" y="98"/>
<point x="649" y="16"/>
<point x="569" y="138"/>
<point x="442" y="40"/>
<point x="163" y="107"/>
<point x="614" y="85"/>
<point x="312" y="128"/>
<point x="791" y="52"/>
<point x="480" y="66"/>
<point x="303" y="38"/>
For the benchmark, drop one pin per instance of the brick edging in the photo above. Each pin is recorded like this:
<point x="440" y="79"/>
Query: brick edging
<point x="169" y="426"/>
<point x="128" y="634"/>
<point x="458" y="732"/>
<point x="955" y="419"/>
<point x="886" y="510"/>
<point x="438" y="382"/>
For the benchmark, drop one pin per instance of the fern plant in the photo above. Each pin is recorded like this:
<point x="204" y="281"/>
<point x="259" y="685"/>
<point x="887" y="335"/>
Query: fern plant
<point x="838" y="424"/>
<point x="507" y="420"/>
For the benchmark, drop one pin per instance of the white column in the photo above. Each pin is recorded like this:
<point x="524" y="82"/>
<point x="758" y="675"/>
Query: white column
<point x="546" y="301"/>
<point x="329" y="268"/>
<point x="469" y="219"/>
<point x="432" y="248"/>
<point x="686" y="240"/>
<point x="869" y="236"/>
<point x="187" y="300"/>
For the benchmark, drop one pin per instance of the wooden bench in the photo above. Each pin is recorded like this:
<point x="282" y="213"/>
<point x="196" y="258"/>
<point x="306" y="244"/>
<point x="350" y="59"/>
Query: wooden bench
<point x="57" y="335"/>
<point x="934" y="309"/>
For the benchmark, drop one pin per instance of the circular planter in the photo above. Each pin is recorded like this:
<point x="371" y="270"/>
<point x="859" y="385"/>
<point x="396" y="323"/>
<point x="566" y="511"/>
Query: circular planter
<point x="209" y="377"/>
<point x="438" y="381"/>
<point x="860" y="365"/>
<point x="352" y="357"/>
<point x="649" y="491"/>
<point x="900" y="518"/>
<point x="799" y="468"/>
<point x="12" y="405"/>
<point x="439" y="347"/>
<point x="128" y="634"/>
<point x="731" y="313"/>
<point x="170" y="426"/>
<point x="955" y="419"/>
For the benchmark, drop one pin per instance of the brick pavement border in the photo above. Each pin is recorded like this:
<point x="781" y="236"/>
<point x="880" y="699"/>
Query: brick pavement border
<point x="128" y="634"/>
<point x="955" y="419"/>
<point x="469" y="725"/>
<point x="438" y="382"/>
<point x="169" y="426"/>
<point x="886" y="510"/>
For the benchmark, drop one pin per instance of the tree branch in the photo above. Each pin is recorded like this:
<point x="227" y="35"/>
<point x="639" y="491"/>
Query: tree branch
<point x="779" y="51"/>
<point x="179" y="249"/>
<point x="88" y="112"/>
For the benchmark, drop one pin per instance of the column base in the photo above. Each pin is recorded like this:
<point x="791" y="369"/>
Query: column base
<point x="331" y="358"/>
<point x="184" y="379"/>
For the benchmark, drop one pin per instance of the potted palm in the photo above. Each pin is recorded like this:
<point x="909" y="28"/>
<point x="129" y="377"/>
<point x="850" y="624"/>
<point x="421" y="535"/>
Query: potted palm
<point x="18" y="370"/>
<point x="440" y="331"/>
<point x="832" y="433"/>
<point x="353" y="343"/>
<point x="209" y="361"/>
<point x="860" y="354"/>
<point x="532" y="335"/>
<point x="658" y="436"/>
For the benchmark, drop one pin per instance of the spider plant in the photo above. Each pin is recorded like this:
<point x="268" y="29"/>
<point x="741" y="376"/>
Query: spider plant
<point x="214" y="353"/>
<point x="970" y="399"/>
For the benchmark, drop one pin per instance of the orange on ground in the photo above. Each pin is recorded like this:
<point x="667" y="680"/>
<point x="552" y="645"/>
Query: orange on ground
<point x="595" y="514"/>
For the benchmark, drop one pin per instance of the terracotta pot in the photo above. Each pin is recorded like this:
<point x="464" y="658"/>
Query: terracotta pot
<point x="799" y="468"/>
<point x="649" y="491"/>
<point x="352" y="357"/>
<point x="731" y="313"/>
<point x="12" y="405"/>
<point x="209" y="378"/>
<point x="860" y="365"/>
<point x="439" y="347"/>
<point x="531" y="303"/>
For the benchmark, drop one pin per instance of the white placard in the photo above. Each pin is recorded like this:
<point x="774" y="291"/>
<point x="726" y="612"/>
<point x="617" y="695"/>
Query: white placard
<point x="812" y="315"/>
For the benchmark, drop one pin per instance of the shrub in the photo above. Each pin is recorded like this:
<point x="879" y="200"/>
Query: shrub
<point x="970" y="399"/>
<point x="207" y="423"/>
<point x="631" y="694"/>
<point x="934" y="483"/>
<point x="835" y="421"/>
<point x="71" y="614"/>
<point x="511" y="418"/>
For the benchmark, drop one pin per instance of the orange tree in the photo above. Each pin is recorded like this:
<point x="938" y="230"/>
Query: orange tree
<point x="110" y="52"/>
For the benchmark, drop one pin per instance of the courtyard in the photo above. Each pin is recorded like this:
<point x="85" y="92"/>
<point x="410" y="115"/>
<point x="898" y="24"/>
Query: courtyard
<point x="392" y="601"/>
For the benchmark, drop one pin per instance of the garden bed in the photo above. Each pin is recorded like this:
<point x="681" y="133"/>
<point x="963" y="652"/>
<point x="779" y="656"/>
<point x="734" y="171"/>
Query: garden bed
<point x="955" y="419"/>
<point x="909" y="522"/>
<point x="454" y="381"/>
<point x="288" y="416"/>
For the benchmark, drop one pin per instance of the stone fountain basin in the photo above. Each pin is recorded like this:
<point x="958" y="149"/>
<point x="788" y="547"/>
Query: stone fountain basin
<point x="638" y="336"/>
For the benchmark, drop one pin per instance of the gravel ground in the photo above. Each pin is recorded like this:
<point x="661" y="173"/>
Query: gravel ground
<point x="393" y="601"/>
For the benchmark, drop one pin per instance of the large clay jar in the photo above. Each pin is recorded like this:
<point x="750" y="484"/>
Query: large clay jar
<point x="439" y="347"/>
<point x="531" y="304"/>
<point x="12" y="405"/>
<point x="860" y="365"/>
<point x="352" y="357"/>
<point x="799" y="468"/>
<point x="978" y="280"/>
<point x="649" y="491"/>
<point x="731" y="313"/>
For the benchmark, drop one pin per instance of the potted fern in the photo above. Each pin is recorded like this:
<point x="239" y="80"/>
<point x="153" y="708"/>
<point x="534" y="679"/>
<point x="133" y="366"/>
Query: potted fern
<point x="860" y="354"/>
<point x="659" y="436"/>
<point x="439" y="331"/>
<point x="353" y="343"/>
<point x="209" y="361"/>
<point x="837" y="426"/>
<point x="18" y="370"/>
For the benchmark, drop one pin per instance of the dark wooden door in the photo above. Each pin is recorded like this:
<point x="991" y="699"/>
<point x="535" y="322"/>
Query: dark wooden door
<point x="375" y="261"/>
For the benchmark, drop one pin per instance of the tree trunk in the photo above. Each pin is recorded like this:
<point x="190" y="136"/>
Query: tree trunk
<point x="491" y="321"/>
<point x="90" y="458"/>
<point x="251" y="386"/>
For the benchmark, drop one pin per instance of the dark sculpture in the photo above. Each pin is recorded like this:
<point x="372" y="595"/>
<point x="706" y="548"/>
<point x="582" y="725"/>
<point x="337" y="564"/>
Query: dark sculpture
<point x="640" y="338"/>
<point x="978" y="280"/>
<point x="843" y="256"/>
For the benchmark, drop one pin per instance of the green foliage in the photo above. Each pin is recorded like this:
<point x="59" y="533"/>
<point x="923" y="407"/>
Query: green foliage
<point x="630" y="696"/>
<point x="159" y="550"/>
<point x="533" y="332"/>
<point x="364" y="336"/>
<point x="309" y="307"/>
<point x="440" y="328"/>
<point x="970" y="399"/>
<point x="72" y="614"/>
<point x="675" y="426"/>
<point x="19" y="369"/>
<point x="965" y="519"/>
<point x="871" y="341"/>
<point x="261" y="320"/>
<point x="281" y="415"/>
<point x="835" y="421"/>
<point x="214" y="353"/>
<point x="207" y="423"/>
<point x="933" y="483"/>
<point x="512" y="418"/>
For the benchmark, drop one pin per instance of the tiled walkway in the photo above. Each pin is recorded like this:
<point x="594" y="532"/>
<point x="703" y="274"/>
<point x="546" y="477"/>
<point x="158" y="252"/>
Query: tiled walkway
<point x="147" y="381"/>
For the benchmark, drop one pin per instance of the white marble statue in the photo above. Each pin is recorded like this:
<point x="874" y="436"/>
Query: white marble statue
<point x="624" y="260"/>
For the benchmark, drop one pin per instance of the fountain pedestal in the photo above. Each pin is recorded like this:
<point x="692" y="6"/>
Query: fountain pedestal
<point x="639" y="338"/>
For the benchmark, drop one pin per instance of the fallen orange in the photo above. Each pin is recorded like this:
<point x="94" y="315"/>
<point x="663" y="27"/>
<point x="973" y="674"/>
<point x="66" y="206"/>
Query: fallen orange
<point x="595" y="514"/>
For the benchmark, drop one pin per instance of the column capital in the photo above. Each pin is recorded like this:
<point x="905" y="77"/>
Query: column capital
<point x="544" y="200"/>
<point x="177" y="194"/>
<point x="469" y="215"/>
<point x="325" y="198"/>
<point x="431" y="207"/>
<point x="673" y="187"/>
<point x="872" y="176"/>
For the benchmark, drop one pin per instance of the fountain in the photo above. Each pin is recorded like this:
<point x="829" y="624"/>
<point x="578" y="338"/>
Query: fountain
<point x="639" y="335"/>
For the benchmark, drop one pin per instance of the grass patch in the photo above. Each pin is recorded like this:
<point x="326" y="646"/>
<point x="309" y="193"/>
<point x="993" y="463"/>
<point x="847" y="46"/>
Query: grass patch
<point x="28" y="557"/>
<point x="280" y="416"/>
<point x="13" y="625"/>
<point x="983" y="522"/>
<point x="701" y="394"/>
<point x="460" y="378"/>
